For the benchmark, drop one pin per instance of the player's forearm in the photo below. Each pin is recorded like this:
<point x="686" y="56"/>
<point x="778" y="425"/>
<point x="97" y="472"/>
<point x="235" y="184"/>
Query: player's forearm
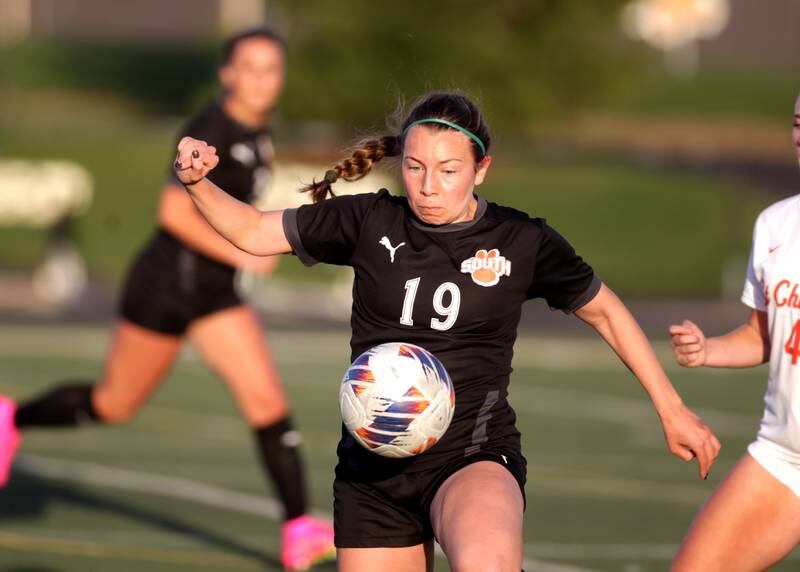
<point x="238" y="222"/>
<point x="178" y="215"/>
<point x="209" y="243"/>
<point x="743" y="347"/>
<point x="617" y="326"/>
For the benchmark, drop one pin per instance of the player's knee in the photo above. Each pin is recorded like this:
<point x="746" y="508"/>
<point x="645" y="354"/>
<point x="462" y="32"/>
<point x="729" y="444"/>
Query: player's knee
<point x="264" y="410"/>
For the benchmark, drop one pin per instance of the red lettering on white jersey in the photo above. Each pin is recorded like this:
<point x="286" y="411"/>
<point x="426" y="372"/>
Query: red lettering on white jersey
<point x="786" y="294"/>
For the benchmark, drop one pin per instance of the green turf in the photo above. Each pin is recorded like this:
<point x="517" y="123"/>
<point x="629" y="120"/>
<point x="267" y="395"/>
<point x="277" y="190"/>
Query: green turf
<point x="603" y="494"/>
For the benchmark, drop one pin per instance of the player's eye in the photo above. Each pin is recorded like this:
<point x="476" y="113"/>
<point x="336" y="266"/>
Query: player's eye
<point x="449" y="171"/>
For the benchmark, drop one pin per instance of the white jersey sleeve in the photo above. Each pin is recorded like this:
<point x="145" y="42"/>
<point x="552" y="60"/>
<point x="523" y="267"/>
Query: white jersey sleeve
<point x="753" y="293"/>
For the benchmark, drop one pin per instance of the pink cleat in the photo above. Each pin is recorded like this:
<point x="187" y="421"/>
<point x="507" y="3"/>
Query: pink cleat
<point x="306" y="541"/>
<point x="9" y="438"/>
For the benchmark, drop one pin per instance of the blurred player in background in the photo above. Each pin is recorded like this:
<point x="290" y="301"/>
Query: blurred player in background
<point x="752" y="520"/>
<point x="182" y="285"/>
<point x="445" y="269"/>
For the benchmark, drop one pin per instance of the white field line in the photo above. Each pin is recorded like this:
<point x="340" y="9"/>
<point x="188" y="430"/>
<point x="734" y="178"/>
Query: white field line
<point x="140" y="537"/>
<point x="135" y="481"/>
<point x="186" y="490"/>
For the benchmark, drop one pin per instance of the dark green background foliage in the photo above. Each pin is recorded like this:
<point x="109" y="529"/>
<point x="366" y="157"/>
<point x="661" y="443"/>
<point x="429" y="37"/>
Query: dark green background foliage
<point x="520" y="58"/>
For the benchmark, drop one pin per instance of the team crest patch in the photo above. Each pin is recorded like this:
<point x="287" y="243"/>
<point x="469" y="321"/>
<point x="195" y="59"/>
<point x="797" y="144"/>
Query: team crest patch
<point x="486" y="268"/>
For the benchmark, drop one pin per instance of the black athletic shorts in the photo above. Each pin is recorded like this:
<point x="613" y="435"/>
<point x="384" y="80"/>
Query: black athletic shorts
<point x="391" y="511"/>
<point x="170" y="285"/>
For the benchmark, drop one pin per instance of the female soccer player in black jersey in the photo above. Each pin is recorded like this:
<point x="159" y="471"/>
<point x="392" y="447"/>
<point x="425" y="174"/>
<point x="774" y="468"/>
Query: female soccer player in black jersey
<point x="182" y="285"/>
<point x="445" y="269"/>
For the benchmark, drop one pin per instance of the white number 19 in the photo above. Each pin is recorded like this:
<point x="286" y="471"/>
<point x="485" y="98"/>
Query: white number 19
<point x="449" y="311"/>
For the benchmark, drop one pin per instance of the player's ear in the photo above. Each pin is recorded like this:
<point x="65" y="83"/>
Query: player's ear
<point x="481" y="168"/>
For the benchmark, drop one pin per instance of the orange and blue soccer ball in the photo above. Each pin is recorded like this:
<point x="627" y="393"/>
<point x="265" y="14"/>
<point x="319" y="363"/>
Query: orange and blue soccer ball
<point x="397" y="400"/>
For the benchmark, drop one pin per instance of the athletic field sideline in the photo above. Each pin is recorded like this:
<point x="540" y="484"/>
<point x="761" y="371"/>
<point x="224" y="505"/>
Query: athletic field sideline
<point x="179" y="488"/>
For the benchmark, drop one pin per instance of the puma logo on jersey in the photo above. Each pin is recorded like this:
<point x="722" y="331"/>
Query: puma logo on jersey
<point x="774" y="248"/>
<point x="392" y="249"/>
<point x="486" y="268"/>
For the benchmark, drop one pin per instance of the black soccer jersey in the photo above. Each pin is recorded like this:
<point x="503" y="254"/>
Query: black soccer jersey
<point x="456" y="290"/>
<point x="245" y="154"/>
<point x="170" y="284"/>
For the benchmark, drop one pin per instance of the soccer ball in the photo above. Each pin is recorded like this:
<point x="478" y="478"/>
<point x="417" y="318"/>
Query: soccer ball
<point x="397" y="400"/>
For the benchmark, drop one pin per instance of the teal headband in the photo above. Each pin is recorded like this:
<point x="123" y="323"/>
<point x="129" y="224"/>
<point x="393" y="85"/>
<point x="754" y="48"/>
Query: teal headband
<point x="466" y="132"/>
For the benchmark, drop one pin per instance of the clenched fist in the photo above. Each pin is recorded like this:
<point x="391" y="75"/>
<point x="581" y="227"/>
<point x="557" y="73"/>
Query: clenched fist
<point x="195" y="160"/>
<point x="688" y="344"/>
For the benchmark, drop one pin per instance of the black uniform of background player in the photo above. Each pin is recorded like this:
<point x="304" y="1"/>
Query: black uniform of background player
<point x="476" y="348"/>
<point x="171" y="284"/>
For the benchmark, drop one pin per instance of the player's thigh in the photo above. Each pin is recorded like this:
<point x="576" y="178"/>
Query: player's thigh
<point x="477" y="518"/>
<point x="749" y="523"/>
<point x="137" y="361"/>
<point x="233" y="344"/>
<point x="417" y="558"/>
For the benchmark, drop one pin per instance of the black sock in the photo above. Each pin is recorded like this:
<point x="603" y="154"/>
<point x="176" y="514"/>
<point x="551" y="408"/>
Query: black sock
<point x="278" y="445"/>
<point x="66" y="405"/>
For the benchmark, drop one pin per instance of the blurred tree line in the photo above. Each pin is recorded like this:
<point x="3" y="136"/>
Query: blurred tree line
<point x="521" y="58"/>
<point x="352" y="62"/>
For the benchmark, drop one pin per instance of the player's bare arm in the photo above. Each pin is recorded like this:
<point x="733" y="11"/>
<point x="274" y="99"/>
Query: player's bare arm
<point x="178" y="215"/>
<point x="258" y="233"/>
<point x="686" y="434"/>
<point x="746" y="346"/>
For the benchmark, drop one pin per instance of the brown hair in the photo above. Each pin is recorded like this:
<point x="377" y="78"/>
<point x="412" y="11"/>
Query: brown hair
<point x="261" y="32"/>
<point x="452" y="107"/>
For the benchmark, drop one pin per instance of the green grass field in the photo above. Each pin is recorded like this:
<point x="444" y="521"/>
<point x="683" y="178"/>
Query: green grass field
<point x="179" y="488"/>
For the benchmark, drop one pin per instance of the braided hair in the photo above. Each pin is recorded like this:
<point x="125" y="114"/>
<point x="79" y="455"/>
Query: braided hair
<point x="448" y="106"/>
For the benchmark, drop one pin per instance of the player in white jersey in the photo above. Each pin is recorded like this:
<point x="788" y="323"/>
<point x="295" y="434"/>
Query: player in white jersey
<point x="753" y="519"/>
